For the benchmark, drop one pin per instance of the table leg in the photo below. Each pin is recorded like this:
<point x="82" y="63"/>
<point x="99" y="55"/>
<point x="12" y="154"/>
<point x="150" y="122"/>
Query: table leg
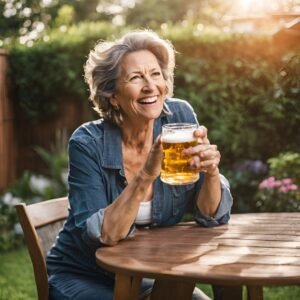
<point x="171" y="289"/>
<point x="255" y="292"/>
<point x="127" y="287"/>
<point x="228" y="292"/>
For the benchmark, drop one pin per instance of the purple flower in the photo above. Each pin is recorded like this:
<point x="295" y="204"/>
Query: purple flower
<point x="252" y="166"/>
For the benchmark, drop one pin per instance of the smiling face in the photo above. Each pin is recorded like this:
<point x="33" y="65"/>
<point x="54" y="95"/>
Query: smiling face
<point x="141" y="88"/>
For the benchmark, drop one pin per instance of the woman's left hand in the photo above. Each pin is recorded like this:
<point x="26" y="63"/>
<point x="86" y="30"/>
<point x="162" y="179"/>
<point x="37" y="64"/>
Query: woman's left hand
<point x="205" y="157"/>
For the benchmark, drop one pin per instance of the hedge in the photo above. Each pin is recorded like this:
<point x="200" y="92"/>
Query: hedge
<point x="245" y="88"/>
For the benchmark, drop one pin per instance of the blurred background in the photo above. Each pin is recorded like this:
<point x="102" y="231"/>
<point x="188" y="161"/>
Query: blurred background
<point x="238" y="64"/>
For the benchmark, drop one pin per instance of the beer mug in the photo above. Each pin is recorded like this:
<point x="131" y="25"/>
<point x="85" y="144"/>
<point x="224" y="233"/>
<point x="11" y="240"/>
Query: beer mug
<point x="175" y="168"/>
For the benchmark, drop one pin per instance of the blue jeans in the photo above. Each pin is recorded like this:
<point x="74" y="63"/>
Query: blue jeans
<point x="65" y="286"/>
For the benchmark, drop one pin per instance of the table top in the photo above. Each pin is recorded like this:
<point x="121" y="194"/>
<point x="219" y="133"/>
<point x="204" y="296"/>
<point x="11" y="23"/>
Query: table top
<point x="253" y="249"/>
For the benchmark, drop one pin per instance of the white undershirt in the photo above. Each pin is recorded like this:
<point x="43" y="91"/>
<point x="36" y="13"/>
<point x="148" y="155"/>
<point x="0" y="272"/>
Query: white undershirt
<point x="144" y="214"/>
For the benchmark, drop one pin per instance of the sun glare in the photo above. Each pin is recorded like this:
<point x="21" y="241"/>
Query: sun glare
<point x="251" y="7"/>
<point x="261" y="7"/>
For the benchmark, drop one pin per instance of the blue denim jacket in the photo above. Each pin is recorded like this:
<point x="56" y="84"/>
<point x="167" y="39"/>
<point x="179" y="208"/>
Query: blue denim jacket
<point x="96" y="178"/>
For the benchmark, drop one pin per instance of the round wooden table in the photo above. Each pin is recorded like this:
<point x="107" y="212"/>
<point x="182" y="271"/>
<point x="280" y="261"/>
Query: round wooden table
<point x="255" y="250"/>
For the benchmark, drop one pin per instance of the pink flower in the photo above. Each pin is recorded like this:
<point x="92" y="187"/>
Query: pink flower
<point x="283" y="189"/>
<point x="268" y="183"/>
<point x="277" y="183"/>
<point x="292" y="187"/>
<point x="286" y="181"/>
<point x="283" y="185"/>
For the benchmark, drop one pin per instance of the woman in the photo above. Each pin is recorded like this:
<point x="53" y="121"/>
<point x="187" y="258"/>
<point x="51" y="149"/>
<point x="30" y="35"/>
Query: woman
<point x="115" y="164"/>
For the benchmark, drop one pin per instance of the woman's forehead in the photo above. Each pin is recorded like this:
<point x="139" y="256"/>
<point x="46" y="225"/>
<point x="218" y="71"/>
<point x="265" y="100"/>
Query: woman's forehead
<point x="139" y="60"/>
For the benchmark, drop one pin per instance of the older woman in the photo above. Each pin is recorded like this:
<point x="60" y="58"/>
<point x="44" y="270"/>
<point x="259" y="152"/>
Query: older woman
<point x="115" y="163"/>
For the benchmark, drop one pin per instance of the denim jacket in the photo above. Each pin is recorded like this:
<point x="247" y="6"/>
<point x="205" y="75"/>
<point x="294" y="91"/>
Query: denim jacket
<point x="96" y="178"/>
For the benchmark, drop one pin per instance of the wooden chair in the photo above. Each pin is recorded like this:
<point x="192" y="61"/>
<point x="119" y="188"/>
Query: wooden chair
<point x="41" y="223"/>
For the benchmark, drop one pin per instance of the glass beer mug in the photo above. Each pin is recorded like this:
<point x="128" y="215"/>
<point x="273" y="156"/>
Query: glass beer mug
<point x="175" y="168"/>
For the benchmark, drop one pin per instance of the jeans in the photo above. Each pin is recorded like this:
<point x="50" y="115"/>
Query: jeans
<point x="65" y="286"/>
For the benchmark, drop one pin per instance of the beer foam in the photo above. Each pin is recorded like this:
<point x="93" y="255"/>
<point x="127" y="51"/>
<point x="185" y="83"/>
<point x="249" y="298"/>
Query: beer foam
<point x="178" y="137"/>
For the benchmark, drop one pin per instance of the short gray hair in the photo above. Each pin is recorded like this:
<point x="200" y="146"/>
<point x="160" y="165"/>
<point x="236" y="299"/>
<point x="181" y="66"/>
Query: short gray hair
<point x="102" y="68"/>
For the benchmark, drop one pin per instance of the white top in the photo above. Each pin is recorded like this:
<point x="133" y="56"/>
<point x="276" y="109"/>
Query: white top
<point x="144" y="214"/>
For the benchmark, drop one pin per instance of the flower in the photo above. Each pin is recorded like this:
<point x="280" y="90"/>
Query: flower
<point x="283" y="185"/>
<point x="39" y="183"/>
<point x="9" y="200"/>
<point x="18" y="229"/>
<point x="252" y="166"/>
<point x="64" y="176"/>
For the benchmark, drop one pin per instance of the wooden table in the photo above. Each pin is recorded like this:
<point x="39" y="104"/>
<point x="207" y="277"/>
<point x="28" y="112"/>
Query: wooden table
<point x="254" y="250"/>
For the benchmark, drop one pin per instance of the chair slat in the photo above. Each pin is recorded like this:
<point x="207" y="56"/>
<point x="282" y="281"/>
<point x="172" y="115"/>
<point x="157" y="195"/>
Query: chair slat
<point x="47" y="235"/>
<point x="46" y="212"/>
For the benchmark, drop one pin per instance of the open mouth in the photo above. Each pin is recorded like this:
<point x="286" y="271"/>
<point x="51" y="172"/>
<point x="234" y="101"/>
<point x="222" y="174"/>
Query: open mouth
<point x="147" y="101"/>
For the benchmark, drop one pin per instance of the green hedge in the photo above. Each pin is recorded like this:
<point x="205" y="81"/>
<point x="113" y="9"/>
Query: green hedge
<point x="245" y="89"/>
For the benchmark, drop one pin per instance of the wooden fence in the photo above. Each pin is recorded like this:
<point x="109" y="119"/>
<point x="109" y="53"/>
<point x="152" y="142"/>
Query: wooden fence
<point x="19" y="136"/>
<point x="7" y="128"/>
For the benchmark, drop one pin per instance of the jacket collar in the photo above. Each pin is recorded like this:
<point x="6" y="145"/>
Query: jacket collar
<point x="112" y="144"/>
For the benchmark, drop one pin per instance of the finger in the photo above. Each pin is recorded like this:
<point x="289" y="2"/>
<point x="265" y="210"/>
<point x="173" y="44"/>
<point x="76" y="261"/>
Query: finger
<point x="209" y="154"/>
<point x="201" y="135"/>
<point x="157" y="146"/>
<point x="200" y="148"/>
<point x="209" y="164"/>
<point x="158" y="140"/>
<point x="195" y="163"/>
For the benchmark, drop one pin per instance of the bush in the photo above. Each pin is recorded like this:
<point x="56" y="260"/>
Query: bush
<point x="280" y="193"/>
<point x="245" y="89"/>
<point x="30" y="188"/>
<point x="242" y="99"/>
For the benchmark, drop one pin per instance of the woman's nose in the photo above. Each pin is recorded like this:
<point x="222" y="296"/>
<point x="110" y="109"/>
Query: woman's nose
<point x="148" y="85"/>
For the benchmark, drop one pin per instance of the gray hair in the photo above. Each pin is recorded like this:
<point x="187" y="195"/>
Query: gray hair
<point x="102" y="68"/>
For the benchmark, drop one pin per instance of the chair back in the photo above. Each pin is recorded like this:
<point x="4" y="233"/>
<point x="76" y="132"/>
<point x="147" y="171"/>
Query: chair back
<point x="41" y="223"/>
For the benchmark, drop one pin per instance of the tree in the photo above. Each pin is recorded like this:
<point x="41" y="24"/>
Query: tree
<point x="153" y="13"/>
<point x="31" y="17"/>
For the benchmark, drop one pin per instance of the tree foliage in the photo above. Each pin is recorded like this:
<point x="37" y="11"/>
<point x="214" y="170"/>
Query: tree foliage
<point x="33" y="17"/>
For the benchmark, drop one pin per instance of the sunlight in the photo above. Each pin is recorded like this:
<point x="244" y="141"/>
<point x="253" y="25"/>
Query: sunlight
<point x="246" y="3"/>
<point x="244" y="7"/>
<point x="262" y="7"/>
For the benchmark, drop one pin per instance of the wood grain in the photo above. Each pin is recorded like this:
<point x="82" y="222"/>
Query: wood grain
<point x="255" y="250"/>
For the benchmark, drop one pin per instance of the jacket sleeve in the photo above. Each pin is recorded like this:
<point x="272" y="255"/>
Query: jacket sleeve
<point x="87" y="191"/>
<point x="222" y="214"/>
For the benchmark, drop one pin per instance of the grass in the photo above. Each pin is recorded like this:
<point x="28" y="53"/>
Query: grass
<point x="16" y="276"/>
<point x="270" y="293"/>
<point x="17" y="280"/>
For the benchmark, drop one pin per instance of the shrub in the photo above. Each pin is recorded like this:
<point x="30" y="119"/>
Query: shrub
<point x="245" y="89"/>
<point x="280" y="193"/>
<point x="30" y="188"/>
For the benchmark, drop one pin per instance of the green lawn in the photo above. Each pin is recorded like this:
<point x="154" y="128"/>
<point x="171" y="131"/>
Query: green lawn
<point x="16" y="276"/>
<point x="17" y="281"/>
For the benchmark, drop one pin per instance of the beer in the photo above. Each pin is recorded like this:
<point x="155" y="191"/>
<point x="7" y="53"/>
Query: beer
<point x="175" y="168"/>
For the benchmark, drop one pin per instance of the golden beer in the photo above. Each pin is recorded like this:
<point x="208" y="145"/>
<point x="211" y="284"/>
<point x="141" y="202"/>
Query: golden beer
<point x="175" y="168"/>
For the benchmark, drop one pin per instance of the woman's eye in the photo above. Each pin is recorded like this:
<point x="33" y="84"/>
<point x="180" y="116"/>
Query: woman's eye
<point x="136" y="77"/>
<point x="156" y="74"/>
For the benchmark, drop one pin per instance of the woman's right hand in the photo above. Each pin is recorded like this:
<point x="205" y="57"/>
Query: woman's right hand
<point x="152" y="166"/>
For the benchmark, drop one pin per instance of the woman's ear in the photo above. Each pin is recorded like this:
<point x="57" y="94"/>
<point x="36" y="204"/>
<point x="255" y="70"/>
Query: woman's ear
<point x="114" y="102"/>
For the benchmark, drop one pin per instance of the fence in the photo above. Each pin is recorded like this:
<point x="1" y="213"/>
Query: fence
<point x="19" y="136"/>
<point x="7" y="128"/>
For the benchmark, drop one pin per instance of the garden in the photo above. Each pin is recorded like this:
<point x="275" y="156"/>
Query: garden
<point x="244" y="87"/>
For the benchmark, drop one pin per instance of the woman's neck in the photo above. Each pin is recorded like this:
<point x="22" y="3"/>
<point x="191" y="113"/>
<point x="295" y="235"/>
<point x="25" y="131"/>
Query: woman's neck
<point x="138" y="136"/>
